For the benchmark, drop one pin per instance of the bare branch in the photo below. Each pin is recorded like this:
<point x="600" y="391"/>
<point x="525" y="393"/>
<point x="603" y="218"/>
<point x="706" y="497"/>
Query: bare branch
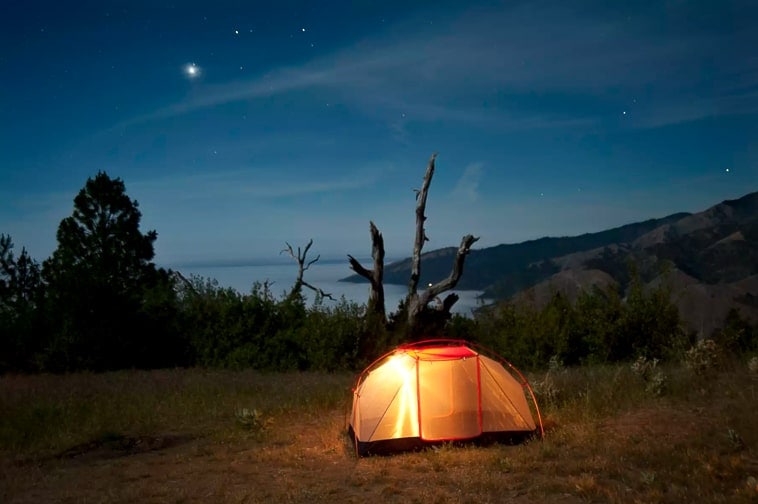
<point x="421" y="237"/>
<point x="313" y="261"/>
<point x="302" y="266"/>
<point x="305" y="252"/>
<point x="356" y="266"/>
<point x="289" y="250"/>
<point x="455" y="275"/>
<point x="318" y="291"/>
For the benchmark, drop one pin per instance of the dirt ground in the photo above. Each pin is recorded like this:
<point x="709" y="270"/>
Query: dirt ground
<point x="309" y="460"/>
<point x="290" y="465"/>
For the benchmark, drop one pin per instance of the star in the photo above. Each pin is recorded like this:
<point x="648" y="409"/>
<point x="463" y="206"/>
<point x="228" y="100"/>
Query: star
<point x="191" y="70"/>
<point x="727" y="170"/>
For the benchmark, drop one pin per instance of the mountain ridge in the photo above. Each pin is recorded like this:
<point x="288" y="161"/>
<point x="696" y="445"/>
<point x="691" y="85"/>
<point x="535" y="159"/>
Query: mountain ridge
<point x="709" y="259"/>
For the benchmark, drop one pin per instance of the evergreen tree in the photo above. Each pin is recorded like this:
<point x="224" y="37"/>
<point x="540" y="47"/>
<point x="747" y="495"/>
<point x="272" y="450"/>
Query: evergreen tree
<point x="20" y="296"/>
<point x="97" y="279"/>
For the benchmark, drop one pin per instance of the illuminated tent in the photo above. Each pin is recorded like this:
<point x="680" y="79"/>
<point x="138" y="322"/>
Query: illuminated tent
<point x="439" y="390"/>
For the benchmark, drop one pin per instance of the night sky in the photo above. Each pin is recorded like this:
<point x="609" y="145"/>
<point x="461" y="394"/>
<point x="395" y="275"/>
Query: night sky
<point x="239" y="126"/>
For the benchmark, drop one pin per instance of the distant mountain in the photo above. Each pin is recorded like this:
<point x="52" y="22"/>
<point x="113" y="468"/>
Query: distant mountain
<point x="710" y="259"/>
<point x="504" y="270"/>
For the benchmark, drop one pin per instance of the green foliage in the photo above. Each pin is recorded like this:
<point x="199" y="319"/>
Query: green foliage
<point x="599" y="327"/>
<point x="596" y="316"/>
<point x="737" y="336"/>
<point x="650" y="325"/>
<point x="332" y="337"/>
<point x="227" y="329"/>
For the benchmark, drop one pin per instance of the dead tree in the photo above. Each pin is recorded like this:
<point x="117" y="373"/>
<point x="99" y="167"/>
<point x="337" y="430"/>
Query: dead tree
<point x="303" y="266"/>
<point x="374" y="276"/>
<point x="416" y="301"/>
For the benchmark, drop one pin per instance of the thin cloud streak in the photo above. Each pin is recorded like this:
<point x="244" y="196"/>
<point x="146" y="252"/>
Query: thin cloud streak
<point x="250" y="183"/>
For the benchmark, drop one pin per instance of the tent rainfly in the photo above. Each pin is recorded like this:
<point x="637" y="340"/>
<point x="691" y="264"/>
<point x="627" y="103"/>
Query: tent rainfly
<point x="440" y="390"/>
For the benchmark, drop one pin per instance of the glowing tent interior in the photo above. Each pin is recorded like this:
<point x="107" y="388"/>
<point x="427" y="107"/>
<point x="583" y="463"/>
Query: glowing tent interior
<point x="440" y="390"/>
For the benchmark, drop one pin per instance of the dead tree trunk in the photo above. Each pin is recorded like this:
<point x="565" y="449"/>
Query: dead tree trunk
<point x="374" y="276"/>
<point x="418" y="302"/>
<point x="300" y="258"/>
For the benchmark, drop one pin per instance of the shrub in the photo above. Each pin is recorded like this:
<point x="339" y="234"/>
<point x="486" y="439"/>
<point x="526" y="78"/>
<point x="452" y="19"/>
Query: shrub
<point x="703" y="357"/>
<point x="647" y="369"/>
<point x="752" y="366"/>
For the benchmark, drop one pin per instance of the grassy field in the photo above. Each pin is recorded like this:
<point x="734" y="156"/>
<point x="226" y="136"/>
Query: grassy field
<point x="615" y="434"/>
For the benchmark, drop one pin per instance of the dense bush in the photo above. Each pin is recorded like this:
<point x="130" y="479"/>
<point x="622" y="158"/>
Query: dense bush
<point x="256" y="330"/>
<point x="599" y="327"/>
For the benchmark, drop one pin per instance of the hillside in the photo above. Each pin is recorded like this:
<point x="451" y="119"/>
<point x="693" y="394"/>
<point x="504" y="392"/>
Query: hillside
<point x="709" y="259"/>
<point x="504" y="270"/>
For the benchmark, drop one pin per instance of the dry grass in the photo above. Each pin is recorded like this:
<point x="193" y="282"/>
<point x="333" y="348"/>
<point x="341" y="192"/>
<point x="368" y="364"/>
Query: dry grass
<point x="181" y="436"/>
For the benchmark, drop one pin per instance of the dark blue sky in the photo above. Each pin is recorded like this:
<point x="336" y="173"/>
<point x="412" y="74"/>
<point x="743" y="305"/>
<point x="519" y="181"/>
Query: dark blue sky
<point x="307" y="119"/>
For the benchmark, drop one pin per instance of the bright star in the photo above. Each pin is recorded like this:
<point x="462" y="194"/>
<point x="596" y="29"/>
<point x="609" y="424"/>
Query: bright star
<point x="191" y="70"/>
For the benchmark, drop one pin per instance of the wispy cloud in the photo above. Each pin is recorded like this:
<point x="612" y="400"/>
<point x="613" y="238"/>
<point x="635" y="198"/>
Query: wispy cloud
<point x="445" y="71"/>
<point x="264" y="183"/>
<point x="467" y="187"/>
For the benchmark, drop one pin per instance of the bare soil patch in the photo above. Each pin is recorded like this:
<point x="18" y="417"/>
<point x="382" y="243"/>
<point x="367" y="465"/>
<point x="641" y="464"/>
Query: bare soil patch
<point x="297" y="460"/>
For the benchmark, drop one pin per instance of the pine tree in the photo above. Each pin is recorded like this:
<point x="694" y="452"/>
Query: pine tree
<point x="96" y="280"/>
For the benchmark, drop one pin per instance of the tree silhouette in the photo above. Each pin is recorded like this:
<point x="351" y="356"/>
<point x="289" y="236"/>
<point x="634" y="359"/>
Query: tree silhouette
<point x="97" y="279"/>
<point x="102" y="237"/>
<point x="20" y="296"/>
<point x="19" y="278"/>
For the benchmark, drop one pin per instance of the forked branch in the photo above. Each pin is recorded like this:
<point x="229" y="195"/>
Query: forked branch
<point x="302" y="266"/>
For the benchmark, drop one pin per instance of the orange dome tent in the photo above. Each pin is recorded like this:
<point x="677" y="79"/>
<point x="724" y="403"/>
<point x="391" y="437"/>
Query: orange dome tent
<point x="440" y="390"/>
